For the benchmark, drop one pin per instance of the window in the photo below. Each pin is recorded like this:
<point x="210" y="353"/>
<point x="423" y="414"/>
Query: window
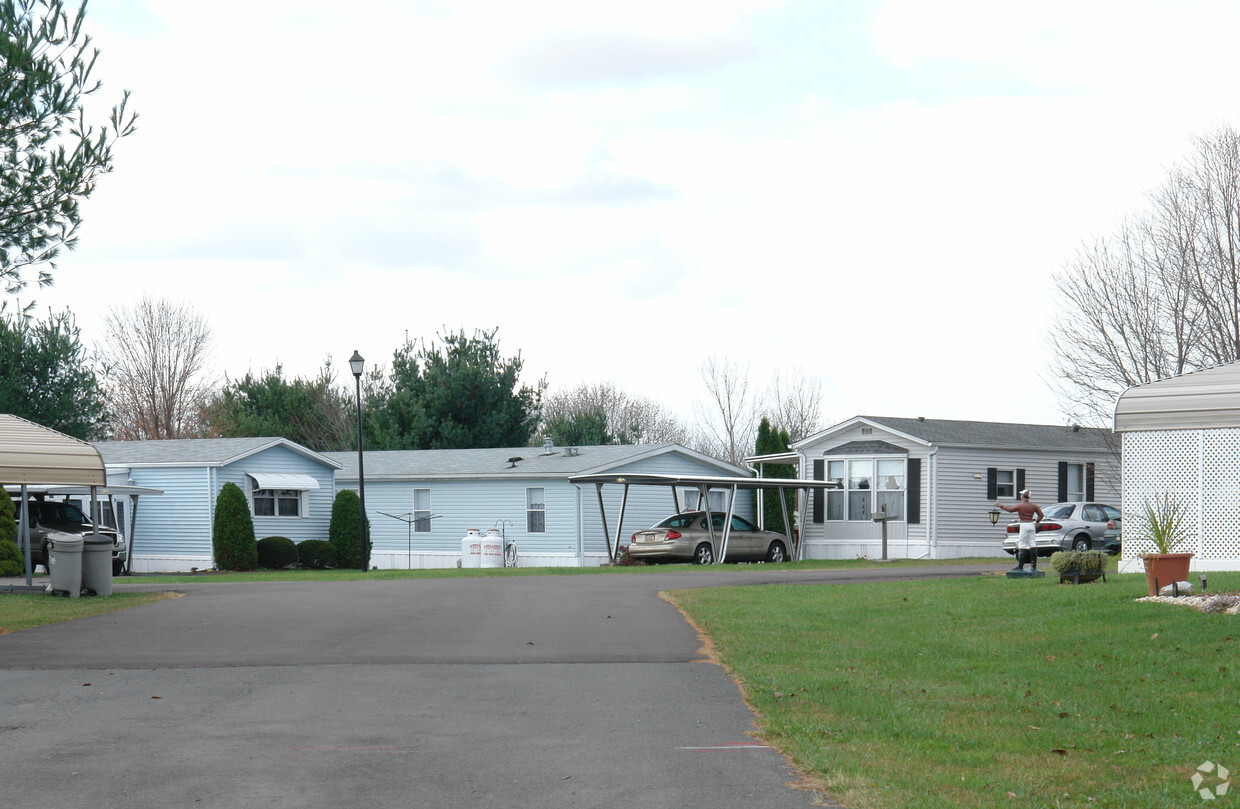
<point x="421" y="511"/>
<point x="717" y="500"/>
<point x="835" y="498"/>
<point x="536" y="511"/>
<point x="1005" y="484"/>
<point x="889" y="489"/>
<point x="860" y="485"/>
<point x="277" y="503"/>
<point x="1076" y="483"/>
<point x="867" y="485"/>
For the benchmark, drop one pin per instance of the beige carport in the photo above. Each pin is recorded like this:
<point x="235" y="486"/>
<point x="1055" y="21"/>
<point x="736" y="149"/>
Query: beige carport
<point x="33" y="454"/>
<point x="703" y="484"/>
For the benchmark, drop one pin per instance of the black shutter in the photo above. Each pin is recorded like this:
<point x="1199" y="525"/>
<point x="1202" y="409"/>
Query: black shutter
<point x="992" y="484"/>
<point x="1020" y="481"/>
<point x="1063" y="481"/>
<point x="820" y="495"/>
<point x="1089" y="481"/>
<point x="914" y="490"/>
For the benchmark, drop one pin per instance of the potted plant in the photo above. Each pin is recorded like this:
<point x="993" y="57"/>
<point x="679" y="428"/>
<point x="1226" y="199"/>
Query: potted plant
<point x="1079" y="566"/>
<point x="1162" y="523"/>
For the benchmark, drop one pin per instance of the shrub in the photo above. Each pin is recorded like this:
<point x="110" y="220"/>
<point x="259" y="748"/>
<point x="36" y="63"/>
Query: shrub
<point x="344" y="530"/>
<point x="316" y="554"/>
<point x="232" y="538"/>
<point x="276" y="553"/>
<point x="8" y="519"/>
<point x="12" y="563"/>
<point x="1065" y="562"/>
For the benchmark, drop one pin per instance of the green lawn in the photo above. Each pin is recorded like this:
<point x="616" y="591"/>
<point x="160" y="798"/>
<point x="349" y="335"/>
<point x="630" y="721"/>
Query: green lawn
<point x="26" y="610"/>
<point x="985" y="692"/>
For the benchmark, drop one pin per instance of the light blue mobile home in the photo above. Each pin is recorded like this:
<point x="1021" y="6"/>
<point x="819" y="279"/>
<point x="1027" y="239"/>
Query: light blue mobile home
<point x="289" y="489"/>
<point x="422" y="502"/>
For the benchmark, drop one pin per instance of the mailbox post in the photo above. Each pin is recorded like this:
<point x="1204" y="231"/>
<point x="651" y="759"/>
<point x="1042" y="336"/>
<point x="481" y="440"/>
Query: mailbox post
<point x="882" y="517"/>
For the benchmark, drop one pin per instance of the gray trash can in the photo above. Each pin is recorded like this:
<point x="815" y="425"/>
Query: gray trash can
<point x="64" y="554"/>
<point x="97" y="564"/>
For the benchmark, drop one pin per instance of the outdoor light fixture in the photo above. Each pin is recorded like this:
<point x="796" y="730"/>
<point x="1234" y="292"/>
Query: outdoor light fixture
<point x="994" y="515"/>
<point x="357" y="364"/>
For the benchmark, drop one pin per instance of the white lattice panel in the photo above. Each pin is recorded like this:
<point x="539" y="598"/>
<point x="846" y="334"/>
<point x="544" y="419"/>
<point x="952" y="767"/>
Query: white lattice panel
<point x="1220" y="494"/>
<point x="1166" y="461"/>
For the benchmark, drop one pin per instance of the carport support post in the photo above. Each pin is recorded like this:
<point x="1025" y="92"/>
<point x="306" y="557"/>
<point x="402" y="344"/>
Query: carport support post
<point x="704" y="504"/>
<point x="624" y="499"/>
<point x="727" y="525"/>
<point x="783" y="507"/>
<point x="25" y="534"/>
<point x="602" y="513"/>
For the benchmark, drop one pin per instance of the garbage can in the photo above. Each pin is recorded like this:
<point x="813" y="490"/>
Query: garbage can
<point x="97" y="564"/>
<point x="64" y="556"/>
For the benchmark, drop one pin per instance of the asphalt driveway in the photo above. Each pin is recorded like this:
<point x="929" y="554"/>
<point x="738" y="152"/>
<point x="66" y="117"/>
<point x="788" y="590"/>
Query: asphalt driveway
<point x="577" y="691"/>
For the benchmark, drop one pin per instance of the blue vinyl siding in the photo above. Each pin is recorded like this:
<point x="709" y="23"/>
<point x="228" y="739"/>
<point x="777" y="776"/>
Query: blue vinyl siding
<point x="316" y="504"/>
<point x="178" y="521"/>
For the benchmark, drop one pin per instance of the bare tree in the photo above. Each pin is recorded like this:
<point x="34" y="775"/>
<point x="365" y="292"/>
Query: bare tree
<point x="796" y="403"/>
<point x="1159" y="297"/>
<point x="156" y="358"/>
<point x="728" y="413"/>
<point x="629" y="419"/>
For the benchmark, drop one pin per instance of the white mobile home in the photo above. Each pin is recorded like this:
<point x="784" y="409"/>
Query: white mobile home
<point x="1181" y="436"/>
<point x="938" y="479"/>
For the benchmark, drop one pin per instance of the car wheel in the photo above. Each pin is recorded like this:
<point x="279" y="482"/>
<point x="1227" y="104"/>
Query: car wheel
<point x="703" y="555"/>
<point x="1081" y="543"/>
<point x="776" y="553"/>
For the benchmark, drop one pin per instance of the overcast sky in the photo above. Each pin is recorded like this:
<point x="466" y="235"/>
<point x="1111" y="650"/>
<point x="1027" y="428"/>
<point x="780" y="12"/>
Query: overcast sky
<point x="875" y="192"/>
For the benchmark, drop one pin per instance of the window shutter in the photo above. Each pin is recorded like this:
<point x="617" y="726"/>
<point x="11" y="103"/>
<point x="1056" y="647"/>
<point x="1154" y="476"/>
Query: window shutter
<point x="992" y="484"/>
<point x="820" y="495"/>
<point x="1089" y="481"/>
<point x="1020" y="481"/>
<point x="914" y="490"/>
<point x="1063" y="481"/>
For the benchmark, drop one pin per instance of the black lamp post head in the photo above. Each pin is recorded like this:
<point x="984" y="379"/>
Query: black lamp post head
<point x="994" y="516"/>
<point x="356" y="363"/>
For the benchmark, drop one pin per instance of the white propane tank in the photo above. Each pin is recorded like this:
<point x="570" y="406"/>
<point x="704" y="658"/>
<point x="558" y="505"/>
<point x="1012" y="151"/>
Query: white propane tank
<point x="471" y="549"/>
<point x="492" y="549"/>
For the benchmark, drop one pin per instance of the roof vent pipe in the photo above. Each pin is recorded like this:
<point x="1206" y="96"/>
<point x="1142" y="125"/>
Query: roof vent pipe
<point x="548" y="446"/>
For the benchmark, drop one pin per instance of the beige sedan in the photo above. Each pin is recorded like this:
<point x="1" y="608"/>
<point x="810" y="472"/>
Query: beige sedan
<point x="685" y="536"/>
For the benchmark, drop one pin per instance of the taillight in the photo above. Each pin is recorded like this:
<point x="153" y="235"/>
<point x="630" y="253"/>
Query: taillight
<point x="671" y="535"/>
<point x="1110" y="526"/>
<point x="1050" y="526"/>
<point x="1011" y="529"/>
<point x="633" y="538"/>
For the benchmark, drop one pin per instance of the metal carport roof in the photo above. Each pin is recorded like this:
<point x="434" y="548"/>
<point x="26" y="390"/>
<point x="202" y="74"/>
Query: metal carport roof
<point x="1197" y="400"/>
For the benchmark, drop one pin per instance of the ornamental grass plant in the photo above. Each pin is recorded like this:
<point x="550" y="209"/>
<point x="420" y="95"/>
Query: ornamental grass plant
<point x="1161" y="523"/>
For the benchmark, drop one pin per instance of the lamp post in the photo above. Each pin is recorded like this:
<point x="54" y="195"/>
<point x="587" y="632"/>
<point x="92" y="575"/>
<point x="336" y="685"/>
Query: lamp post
<point x="356" y="363"/>
<point x="994" y="515"/>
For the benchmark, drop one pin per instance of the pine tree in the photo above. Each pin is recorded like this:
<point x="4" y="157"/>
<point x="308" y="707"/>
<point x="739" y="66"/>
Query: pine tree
<point x="232" y="537"/>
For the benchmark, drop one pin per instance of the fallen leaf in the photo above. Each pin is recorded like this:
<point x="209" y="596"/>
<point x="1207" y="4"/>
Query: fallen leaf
<point x="1060" y="751"/>
<point x="1050" y="658"/>
<point x="156" y="697"/>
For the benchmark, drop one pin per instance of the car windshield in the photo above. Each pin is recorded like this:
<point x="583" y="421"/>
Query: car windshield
<point x="1061" y="512"/>
<point x="59" y="514"/>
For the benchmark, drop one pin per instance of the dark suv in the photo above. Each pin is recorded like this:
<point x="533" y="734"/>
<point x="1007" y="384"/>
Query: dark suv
<point x="49" y="517"/>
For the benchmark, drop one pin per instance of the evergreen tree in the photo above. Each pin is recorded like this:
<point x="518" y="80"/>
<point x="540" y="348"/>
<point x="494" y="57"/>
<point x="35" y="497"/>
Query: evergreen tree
<point x="581" y="429"/>
<point x="772" y="440"/>
<point x="345" y="529"/>
<point x="313" y="412"/>
<point x="50" y="156"/>
<point x="457" y="393"/>
<point x="46" y="377"/>
<point x="232" y="536"/>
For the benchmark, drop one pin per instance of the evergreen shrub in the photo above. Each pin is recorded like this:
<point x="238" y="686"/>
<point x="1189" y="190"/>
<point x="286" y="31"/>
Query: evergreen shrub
<point x="345" y="529"/>
<point x="232" y="538"/>
<point x="316" y="554"/>
<point x="12" y="563"/>
<point x="8" y="519"/>
<point x="276" y="553"/>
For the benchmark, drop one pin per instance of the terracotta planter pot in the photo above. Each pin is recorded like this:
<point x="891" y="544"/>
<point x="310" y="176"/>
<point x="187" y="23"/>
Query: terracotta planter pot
<point x="1163" y="568"/>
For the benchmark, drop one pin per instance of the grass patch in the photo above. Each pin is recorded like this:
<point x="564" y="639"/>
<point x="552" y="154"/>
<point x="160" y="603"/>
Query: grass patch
<point x="26" y="610"/>
<point x="984" y="692"/>
<point x="454" y="573"/>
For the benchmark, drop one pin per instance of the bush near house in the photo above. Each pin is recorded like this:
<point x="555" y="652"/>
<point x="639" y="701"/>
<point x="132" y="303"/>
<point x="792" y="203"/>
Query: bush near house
<point x="276" y="553"/>
<point x="232" y="537"/>
<point x="345" y="530"/>
<point x="8" y="517"/>
<point x="316" y="554"/>
<point x="12" y="563"/>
